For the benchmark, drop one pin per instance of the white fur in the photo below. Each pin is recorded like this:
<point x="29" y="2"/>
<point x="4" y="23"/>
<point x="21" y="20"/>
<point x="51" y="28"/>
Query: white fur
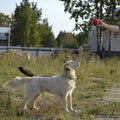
<point x="61" y="85"/>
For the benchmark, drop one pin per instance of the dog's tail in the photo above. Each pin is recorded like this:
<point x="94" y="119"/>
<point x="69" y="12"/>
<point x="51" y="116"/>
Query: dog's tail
<point x="26" y="72"/>
<point x="17" y="82"/>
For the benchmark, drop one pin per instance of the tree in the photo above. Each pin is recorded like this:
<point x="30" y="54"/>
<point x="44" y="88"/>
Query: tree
<point x="66" y="40"/>
<point x="5" y="20"/>
<point x="28" y="28"/>
<point x="81" y="38"/>
<point x="46" y="34"/>
<point x="87" y="9"/>
<point x="25" y="24"/>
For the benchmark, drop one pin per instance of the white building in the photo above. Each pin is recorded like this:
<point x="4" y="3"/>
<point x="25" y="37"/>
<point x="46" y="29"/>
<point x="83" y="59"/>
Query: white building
<point x="114" y="43"/>
<point x="108" y="42"/>
<point x="92" y="39"/>
<point x="4" y="36"/>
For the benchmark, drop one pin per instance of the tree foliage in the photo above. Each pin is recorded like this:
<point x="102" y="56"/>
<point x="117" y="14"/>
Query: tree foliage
<point x="26" y="25"/>
<point x="82" y="38"/>
<point x="87" y="9"/>
<point x="47" y="36"/>
<point x="5" y="20"/>
<point x="111" y="15"/>
<point x="66" y="40"/>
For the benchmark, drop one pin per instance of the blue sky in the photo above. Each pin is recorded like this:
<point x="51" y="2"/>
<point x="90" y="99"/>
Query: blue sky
<point x="51" y="9"/>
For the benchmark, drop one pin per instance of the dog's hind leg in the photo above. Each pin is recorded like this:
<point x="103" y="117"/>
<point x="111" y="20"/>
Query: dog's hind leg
<point x="26" y="101"/>
<point x="33" y="100"/>
<point x="35" y="105"/>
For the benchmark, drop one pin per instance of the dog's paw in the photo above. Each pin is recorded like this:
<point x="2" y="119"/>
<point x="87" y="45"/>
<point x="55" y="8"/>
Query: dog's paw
<point x="73" y="110"/>
<point x="67" y="111"/>
<point x="35" y="107"/>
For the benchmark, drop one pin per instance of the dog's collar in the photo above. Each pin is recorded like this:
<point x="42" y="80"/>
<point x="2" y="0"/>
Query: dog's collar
<point x="68" y="77"/>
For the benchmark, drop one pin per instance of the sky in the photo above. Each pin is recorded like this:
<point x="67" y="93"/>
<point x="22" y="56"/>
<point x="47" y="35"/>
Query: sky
<point x="51" y="9"/>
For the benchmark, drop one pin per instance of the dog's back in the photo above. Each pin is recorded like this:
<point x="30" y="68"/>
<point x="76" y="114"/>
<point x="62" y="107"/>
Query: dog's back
<point x="17" y="82"/>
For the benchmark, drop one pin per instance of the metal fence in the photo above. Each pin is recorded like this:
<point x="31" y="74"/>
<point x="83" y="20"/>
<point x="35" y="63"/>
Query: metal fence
<point x="32" y="50"/>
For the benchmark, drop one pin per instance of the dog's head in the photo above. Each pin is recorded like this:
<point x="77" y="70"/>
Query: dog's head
<point x="70" y="68"/>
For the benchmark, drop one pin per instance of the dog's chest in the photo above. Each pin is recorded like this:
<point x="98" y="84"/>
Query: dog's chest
<point x="65" y="87"/>
<point x="71" y="84"/>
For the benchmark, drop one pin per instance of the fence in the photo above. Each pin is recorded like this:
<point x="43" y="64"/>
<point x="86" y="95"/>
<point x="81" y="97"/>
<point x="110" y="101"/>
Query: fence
<point x="31" y="50"/>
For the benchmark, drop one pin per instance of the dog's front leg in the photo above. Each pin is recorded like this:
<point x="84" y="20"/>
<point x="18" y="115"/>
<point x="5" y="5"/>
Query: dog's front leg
<point x="71" y="107"/>
<point x="65" y="103"/>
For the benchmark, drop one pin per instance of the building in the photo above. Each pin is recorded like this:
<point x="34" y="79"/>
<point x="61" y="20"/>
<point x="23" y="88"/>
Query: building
<point x="4" y="36"/>
<point x="110" y="41"/>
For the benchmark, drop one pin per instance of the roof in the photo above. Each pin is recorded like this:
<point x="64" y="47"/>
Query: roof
<point x="4" y="29"/>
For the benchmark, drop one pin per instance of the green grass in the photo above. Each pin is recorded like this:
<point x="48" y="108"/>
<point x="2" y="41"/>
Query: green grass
<point x="95" y="77"/>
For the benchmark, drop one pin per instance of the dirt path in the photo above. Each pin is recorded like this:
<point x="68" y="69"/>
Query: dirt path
<point x="112" y="95"/>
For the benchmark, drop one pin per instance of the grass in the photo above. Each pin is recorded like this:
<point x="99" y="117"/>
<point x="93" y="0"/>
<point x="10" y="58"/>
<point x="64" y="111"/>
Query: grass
<point x="95" y="77"/>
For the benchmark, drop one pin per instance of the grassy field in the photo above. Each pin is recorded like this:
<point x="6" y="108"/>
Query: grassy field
<point x="95" y="78"/>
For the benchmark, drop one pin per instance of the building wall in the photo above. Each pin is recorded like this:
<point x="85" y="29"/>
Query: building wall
<point x="114" y="44"/>
<point x="4" y="36"/>
<point x="92" y="39"/>
<point x="3" y="43"/>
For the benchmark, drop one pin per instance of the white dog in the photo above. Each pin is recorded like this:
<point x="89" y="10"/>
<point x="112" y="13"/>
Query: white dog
<point x="61" y="85"/>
